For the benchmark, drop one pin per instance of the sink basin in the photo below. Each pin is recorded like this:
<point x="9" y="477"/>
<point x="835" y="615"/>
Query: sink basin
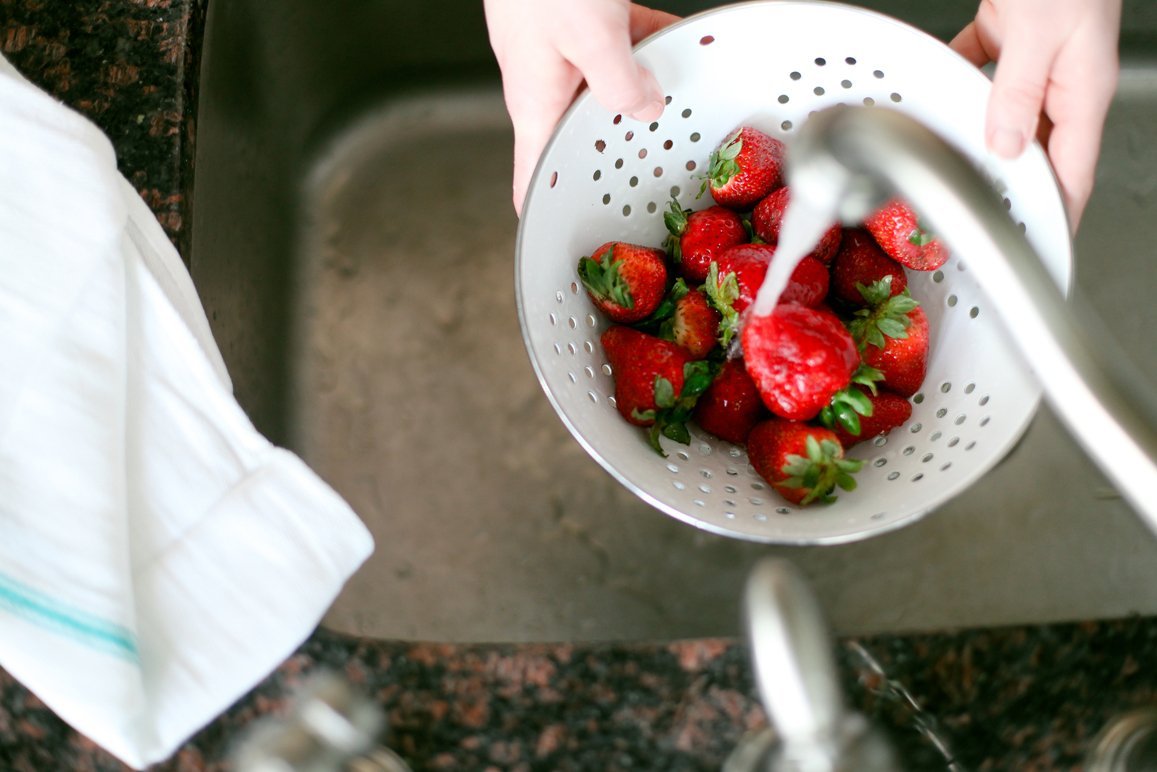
<point x="353" y="243"/>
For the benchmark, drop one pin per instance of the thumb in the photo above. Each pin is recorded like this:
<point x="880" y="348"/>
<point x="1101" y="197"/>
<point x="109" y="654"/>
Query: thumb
<point x="1018" y="90"/>
<point x="615" y="79"/>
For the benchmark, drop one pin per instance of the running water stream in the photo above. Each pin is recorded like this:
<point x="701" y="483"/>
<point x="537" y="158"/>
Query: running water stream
<point x="803" y="224"/>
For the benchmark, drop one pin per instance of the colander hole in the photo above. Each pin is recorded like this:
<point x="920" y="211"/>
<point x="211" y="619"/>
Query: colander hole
<point x="878" y="516"/>
<point x="610" y="400"/>
<point x="894" y="476"/>
<point x="667" y="100"/>
<point x="783" y="99"/>
<point x="590" y="371"/>
<point x="952" y="443"/>
<point x="617" y="119"/>
<point x="597" y="175"/>
<point x="983" y="401"/>
<point x="682" y="454"/>
<point x="973" y="312"/>
<point x="732" y="472"/>
<point x="846" y="83"/>
<point x="820" y="61"/>
<point x="606" y="198"/>
<point x="627" y="210"/>
<point x="960" y="419"/>
<point x="695" y="136"/>
<point x="970" y="388"/>
<point x="553" y="179"/>
<point x="918" y="477"/>
<point x="909" y="450"/>
<point x="915" y="428"/>
<point x="600" y="145"/>
<point x="573" y="377"/>
<point x="941" y="413"/>
<point x="818" y="90"/>
<point x="618" y="163"/>
<point x="730" y="488"/>
<point x="699" y="502"/>
<point x="1022" y="226"/>
<point x="559" y="296"/>
<point x="633" y="182"/>
<point x="675" y="191"/>
<point x="880" y="441"/>
<point x="729" y="515"/>
<point x="850" y="60"/>
<point x="946" y="467"/>
<point x="786" y="125"/>
<point x="960" y="265"/>
<point x="558" y="350"/>
<point x="678" y="485"/>
<point x="938" y="276"/>
<point x="878" y="74"/>
<point x="574" y="288"/>
<point x="691" y="165"/>
<point x="952" y="301"/>
<point x="570" y="347"/>
<point x="945" y="387"/>
<point x="642" y="154"/>
<point x="795" y="76"/>
<point x="728" y="503"/>
<point x="879" y="462"/>
<point x="758" y="486"/>
<point x="761" y="517"/>
<point x="654" y="126"/>
<point x="606" y="369"/>
<point x="673" y="469"/>
<point x="782" y="511"/>
<point x="936" y="435"/>
<point x="553" y="320"/>
<point x="657" y="172"/>
<point x="926" y="459"/>
<point x="970" y="445"/>
<point x="572" y="322"/>
<point x="652" y="207"/>
<point x="984" y="421"/>
<point x="868" y="101"/>
<point x="668" y="144"/>
<point x="735" y="452"/>
<point x="686" y="112"/>
<point x="919" y="398"/>
<point x="707" y="475"/>
<point x="895" y="97"/>
<point x="705" y="450"/>
<point x="593" y="397"/>
<point x="705" y="488"/>
<point x="1008" y="204"/>
<point x="756" y="501"/>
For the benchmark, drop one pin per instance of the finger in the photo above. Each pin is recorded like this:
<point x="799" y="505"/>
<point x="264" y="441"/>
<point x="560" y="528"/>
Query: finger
<point x="647" y="21"/>
<point x="603" y="55"/>
<point x="968" y="44"/>
<point x="1018" y="90"/>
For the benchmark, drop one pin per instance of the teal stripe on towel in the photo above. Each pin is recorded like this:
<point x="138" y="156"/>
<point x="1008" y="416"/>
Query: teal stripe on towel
<point x="35" y="606"/>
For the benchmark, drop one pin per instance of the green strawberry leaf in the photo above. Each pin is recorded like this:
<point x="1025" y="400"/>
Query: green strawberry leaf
<point x="675" y="218"/>
<point x="602" y="279"/>
<point x="664" y="392"/>
<point x="920" y="236"/>
<point x="677" y="432"/>
<point x="889" y="319"/>
<point x="722" y="295"/>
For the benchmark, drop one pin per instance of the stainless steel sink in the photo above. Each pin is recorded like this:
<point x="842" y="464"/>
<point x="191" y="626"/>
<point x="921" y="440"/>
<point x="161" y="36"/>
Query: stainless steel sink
<point x="353" y="243"/>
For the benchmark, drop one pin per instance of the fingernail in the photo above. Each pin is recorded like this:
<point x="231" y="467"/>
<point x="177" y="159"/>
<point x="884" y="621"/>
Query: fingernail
<point x="649" y="113"/>
<point x="1008" y="143"/>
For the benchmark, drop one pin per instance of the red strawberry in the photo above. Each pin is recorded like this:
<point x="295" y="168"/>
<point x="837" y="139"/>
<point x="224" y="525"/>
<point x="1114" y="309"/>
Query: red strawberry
<point x="861" y="263"/>
<point x="902" y="359"/>
<point x="803" y="463"/>
<point x="731" y="405"/>
<point x="887" y="412"/>
<point x="656" y="382"/>
<point x="799" y="357"/>
<point x="898" y="232"/>
<point x="767" y="219"/>
<point x="739" y="273"/>
<point x="744" y="168"/>
<point x="694" y="323"/>
<point x="626" y="282"/>
<point x="699" y="237"/>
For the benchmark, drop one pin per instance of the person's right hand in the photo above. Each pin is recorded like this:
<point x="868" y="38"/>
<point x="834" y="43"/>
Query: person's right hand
<point x="1058" y="57"/>
<point x="547" y="48"/>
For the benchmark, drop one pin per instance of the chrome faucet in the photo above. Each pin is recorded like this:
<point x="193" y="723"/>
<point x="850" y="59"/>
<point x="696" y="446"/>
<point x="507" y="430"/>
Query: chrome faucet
<point x="851" y="159"/>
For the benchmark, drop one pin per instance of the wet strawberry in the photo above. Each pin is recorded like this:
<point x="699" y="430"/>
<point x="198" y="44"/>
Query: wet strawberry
<point x="802" y="462"/>
<point x="899" y="233"/>
<point x="694" y="323"/>
<point x="861" y="263"/>
<point x="799" y="357"/>
<point x="731" y="406"/>
<point x="627" y="282"/>
<point x="767" y="219"/>
<point x="699" y="237"/>
<point x="903" y="359"/>
<point x="656" y="382"/>
<point x="744" y="168"/>
<point x="888" y="411"/>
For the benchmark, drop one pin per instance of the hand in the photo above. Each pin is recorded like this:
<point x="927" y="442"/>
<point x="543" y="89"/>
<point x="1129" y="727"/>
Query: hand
<point x="1056" y="57"/>
<point x="545" y="50"/>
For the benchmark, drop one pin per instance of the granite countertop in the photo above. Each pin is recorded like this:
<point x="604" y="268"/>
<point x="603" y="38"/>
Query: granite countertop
<point x="1019" y="697"/>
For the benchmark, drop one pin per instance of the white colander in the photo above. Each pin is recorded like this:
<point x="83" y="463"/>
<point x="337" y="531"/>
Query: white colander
<point x="606" y="177"/>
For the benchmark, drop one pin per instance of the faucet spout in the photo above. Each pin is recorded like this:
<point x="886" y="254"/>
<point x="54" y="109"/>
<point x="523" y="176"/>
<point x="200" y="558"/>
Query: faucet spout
<point x="851" y="159"/>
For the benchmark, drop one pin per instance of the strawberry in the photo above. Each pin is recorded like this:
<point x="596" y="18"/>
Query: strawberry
<point x="656" y="382"/>
<point x="802" y="462"/>
<point x="731" y="406"/>
<point x="734" y="281"/>
<point x="626" y="282"/>
<point x="767" y="219"/>
<point x="694" y="323"/>
<point x="799" y="357"/>
<point x="861" y="263"/>
<point x="888" y="410"/>
<point x="902" y="359"/>
<point x="899" y="233"/>
<point x="744" y="168"/>
<point x="697" y="238"/>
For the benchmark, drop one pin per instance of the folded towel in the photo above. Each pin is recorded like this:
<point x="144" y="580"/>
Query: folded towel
<point x="158" y="557"/>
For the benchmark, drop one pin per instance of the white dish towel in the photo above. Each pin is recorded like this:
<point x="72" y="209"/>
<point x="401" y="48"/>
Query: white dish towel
<point x="158" y="557"/>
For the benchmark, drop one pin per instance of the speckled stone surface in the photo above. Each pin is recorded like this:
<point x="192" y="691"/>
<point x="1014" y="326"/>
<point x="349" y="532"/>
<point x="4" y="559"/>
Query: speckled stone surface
<point x="1027" y="698"/>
